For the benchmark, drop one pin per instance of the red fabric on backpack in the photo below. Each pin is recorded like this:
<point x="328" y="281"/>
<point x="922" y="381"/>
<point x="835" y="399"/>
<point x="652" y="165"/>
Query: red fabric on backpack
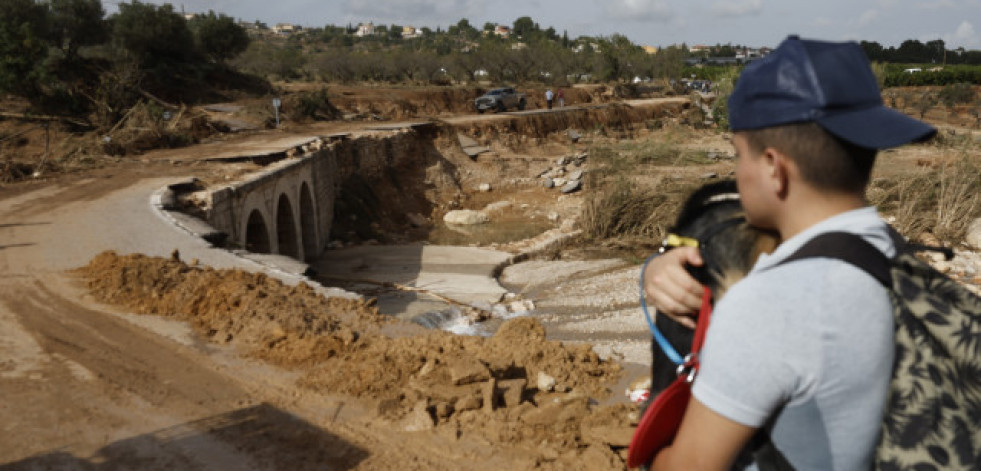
<point x="662" y="418"/>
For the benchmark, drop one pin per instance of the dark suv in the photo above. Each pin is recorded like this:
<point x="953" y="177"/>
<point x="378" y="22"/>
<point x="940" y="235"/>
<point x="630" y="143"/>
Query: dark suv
<point x="500" y="99"/>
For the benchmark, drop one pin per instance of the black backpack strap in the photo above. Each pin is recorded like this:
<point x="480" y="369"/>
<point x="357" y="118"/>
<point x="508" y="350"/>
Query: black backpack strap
<point x="848" y="248"/>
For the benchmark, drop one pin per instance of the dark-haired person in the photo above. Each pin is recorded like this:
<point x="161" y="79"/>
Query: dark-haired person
<point x="802" y="350"/>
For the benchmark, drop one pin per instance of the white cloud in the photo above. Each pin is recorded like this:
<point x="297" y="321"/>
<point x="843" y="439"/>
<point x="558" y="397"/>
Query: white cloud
<point x="638" y="10"/>
<point x="868" y="17"/>
<point x="963" y="36"/>
<point x="729" y="9"/>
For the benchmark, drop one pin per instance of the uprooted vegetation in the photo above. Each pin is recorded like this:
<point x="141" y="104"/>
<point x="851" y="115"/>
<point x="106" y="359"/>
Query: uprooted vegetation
<point x="935" y="202"/>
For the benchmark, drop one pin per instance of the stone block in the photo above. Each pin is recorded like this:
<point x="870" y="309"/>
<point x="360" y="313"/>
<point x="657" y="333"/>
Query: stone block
<point x="466" y="369"/>
<point x="512" y="391"/>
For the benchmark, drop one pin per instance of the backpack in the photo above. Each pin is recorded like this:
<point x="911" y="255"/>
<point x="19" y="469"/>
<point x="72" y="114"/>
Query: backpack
<point x="932" y="419"/>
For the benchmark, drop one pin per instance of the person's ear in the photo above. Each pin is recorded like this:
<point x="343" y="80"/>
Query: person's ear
<point x="779" y="167"/>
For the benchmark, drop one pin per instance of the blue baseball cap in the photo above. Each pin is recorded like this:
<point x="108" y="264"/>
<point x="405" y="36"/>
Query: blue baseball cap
<point x="830" y="83"/>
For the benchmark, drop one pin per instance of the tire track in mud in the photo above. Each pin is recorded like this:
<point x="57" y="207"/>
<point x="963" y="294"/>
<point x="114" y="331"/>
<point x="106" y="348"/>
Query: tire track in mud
<point x="103" y="392"/>
<point x="120" y="353"/>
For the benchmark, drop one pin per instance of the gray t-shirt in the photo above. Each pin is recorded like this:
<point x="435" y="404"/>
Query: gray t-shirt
<point x="810" y="341"/>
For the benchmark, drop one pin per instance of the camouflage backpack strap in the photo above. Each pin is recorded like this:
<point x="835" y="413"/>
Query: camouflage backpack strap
<point x="933" y="413"/>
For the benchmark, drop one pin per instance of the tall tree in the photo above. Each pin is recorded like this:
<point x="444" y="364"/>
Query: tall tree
<point x="77" y="23"/>
<point x="873" y="50"/>
<point x="218" y="37"/>
<point x="23" y="48"/>
<point x="936" y="50"/>
<point x="524" y="27"/>
<point x="151" y="34"/>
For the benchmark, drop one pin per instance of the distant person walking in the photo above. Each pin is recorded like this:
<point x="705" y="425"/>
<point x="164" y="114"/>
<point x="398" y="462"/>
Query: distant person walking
<point x="548" y="98"/>
<point x="561" y="96"/>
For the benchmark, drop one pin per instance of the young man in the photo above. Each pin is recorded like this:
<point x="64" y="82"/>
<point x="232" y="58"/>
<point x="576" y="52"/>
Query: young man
<point x="802" y="350"/>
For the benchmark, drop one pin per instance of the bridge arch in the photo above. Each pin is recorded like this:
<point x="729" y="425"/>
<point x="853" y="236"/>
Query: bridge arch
<point x="308" y="222"/>
<point x="257" y="234"/>
<point x="286" y="237"/>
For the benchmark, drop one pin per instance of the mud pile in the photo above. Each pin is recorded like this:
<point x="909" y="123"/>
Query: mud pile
<point x="516" y="390"/>
<point x="259" y="314"/>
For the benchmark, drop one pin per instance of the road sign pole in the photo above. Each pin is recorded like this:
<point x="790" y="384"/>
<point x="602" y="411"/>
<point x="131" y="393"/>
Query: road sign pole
<point x="276" y="103"/>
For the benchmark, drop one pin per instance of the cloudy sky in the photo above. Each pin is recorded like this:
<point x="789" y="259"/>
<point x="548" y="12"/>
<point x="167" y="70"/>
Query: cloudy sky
<point x="651" y="22"/>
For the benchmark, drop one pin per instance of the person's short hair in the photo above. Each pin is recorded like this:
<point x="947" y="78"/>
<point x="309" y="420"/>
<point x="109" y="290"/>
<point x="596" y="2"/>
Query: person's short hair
<point x="825" y="161"/>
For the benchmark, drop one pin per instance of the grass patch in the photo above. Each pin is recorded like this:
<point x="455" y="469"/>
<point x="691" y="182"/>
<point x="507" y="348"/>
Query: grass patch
<point x="941" y="201"/>
<point x="634" y="200"/>
<point x="625" y="157"/>
<point x="624" y="215"/>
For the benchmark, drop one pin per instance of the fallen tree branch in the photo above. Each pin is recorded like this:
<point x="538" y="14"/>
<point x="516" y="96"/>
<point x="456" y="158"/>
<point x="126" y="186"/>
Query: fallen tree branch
<point x="41" y="117"/>
<point x="123" y="119"/>
<point x="160" y="102"/>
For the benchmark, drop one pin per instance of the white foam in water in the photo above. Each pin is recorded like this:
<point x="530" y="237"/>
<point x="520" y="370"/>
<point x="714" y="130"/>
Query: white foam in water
<point x="461" y="326"/>
<point x="512" y="315"/>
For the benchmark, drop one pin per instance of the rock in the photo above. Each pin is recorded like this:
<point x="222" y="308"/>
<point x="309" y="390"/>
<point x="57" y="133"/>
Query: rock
<point x="490" y="395"/>
<point x="467" y="141"/>
<point x="709" y="176"/>
<point x="512" y="391"/>
<point x="419" y="419"/>
<point x="562" y="161"/>
<point x="467" y="403"/>
<point x="484" y="187"/>
<point x="548" y="183"/>
<point x="465" y="217"/>
<point x="559" y="181"/>
<point x="574" y="136"/>
<point x="545" y="382"/>
<point x="545" y="415"/>
<point x="572" y="186"/>
<point x="553" y="216"/>
<point x="973" y="237"/>
<point x="521" y="306"/>
<point x="466" y="369"/>
<point x="497" y="206"/>
<point x="576" y="175"/>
